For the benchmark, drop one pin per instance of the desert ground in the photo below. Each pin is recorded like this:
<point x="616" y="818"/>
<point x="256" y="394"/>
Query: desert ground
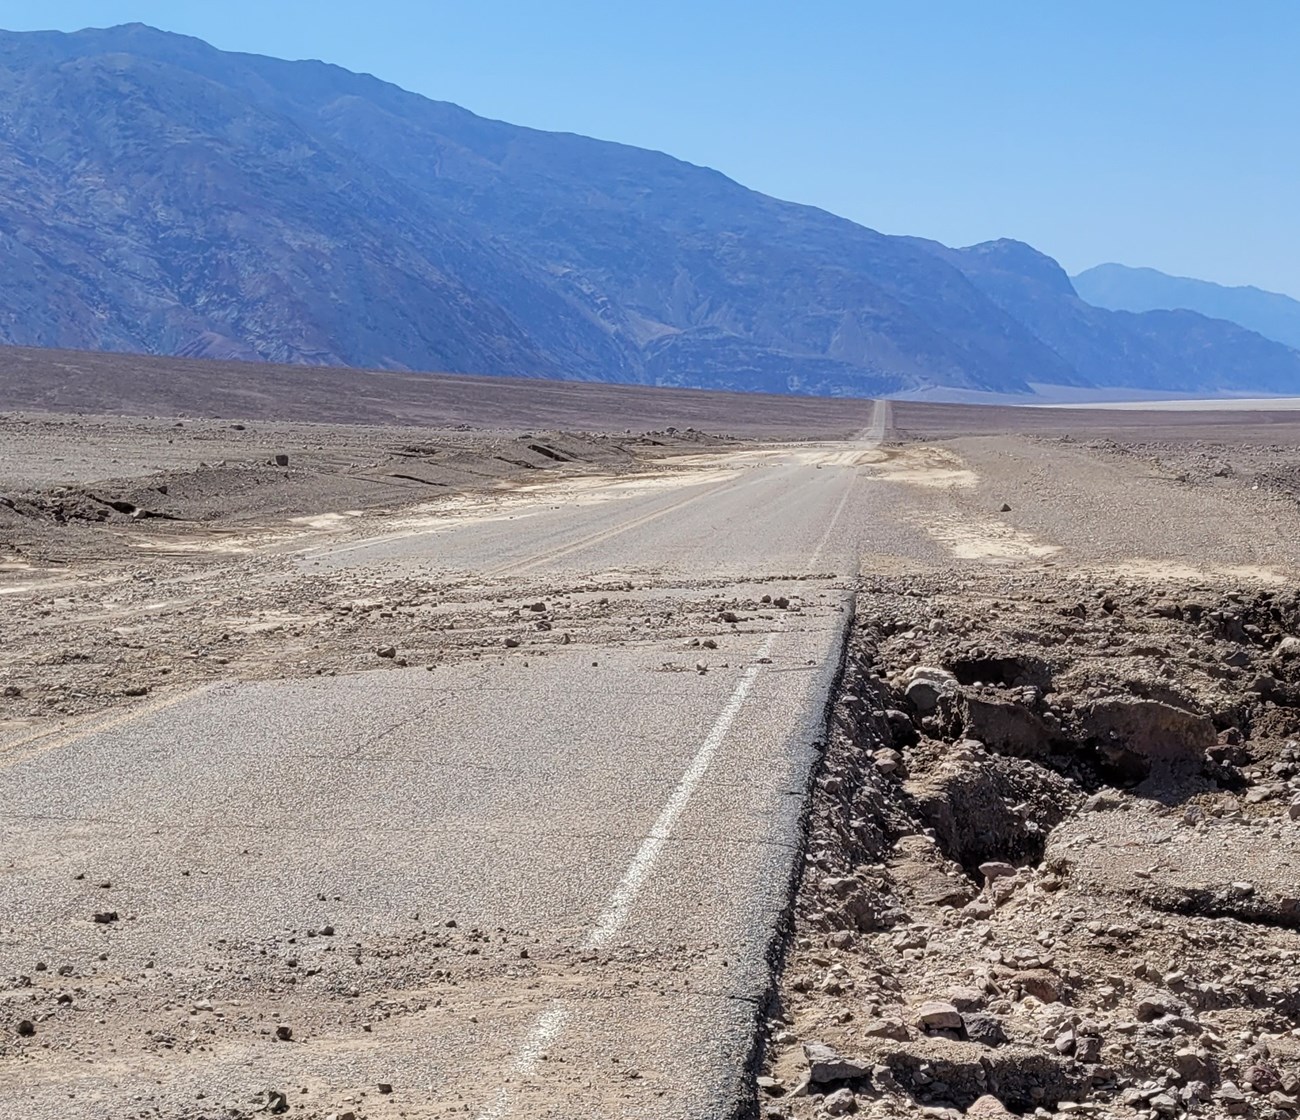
<point x="1014" y="829"/>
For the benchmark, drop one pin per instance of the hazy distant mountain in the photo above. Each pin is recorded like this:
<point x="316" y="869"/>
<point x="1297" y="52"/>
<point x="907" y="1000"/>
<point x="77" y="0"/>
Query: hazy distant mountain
<point x="159" y="195"/>
<point x="1173" y="351"/>
<point x="1121" y="288"/>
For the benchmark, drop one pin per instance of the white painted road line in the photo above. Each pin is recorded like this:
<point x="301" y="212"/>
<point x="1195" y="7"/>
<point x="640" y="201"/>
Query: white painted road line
<point x="615" y="914"/>
<point x="539" y="1037"/>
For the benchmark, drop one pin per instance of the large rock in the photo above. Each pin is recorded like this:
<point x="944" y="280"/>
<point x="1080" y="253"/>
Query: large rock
<point x="1143" y="736"/>
<point x="920" y="871"/>
<point x="928" y="686"/>
<point x="938" y="1015"/>
<point x="827" y="1065"/>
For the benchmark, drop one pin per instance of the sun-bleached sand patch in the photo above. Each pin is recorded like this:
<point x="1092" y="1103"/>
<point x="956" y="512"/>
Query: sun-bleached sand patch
<point x="933" y="467"/>
<point x="990" y="540"/>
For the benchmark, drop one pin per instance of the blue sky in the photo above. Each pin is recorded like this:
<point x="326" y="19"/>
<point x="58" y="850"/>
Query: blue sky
<point x="1152" y="132"/>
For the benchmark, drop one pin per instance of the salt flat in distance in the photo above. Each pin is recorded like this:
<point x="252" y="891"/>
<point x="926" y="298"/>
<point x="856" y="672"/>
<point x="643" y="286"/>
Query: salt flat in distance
<point x="1210" y="404"/>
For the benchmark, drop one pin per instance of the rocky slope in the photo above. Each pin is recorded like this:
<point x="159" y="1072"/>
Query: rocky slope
<point x="1052" y="865"/>
<point x="166" y="197"/>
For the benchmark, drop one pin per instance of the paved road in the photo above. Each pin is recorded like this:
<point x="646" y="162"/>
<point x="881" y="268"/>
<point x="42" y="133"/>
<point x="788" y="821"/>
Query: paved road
<point x="527" y="886"/>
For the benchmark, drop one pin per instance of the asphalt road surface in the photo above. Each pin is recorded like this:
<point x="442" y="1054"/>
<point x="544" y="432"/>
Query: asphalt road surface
<point x="517" y="888"/>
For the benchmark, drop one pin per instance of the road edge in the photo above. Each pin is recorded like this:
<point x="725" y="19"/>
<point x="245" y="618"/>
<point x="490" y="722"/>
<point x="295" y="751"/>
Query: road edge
<point x="745" y="1103"/>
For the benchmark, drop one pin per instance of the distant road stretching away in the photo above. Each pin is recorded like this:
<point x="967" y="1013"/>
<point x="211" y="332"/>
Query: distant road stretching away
<point x="612" y="831"/>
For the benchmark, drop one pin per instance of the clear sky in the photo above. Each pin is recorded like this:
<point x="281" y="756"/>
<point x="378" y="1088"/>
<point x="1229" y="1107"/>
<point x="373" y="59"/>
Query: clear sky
<point x="1150" y="132"/>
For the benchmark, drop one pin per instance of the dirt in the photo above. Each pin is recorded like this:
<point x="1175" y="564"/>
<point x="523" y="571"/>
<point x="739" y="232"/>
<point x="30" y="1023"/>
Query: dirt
<point x="1057" y="802"/>
<point x="209" y="561"/>
<point x="1053" y="865"/>
<point x="79" y="383"/>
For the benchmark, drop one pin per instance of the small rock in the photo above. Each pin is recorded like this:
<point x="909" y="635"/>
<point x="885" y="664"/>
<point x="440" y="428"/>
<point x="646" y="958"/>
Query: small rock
<point x="995" y="869"/>
<point x="1192" y="1064"/>
<point x="985" y="1029"/>
<point x="386" y="651"/>
<point x="1231" y="1097"/>
<point x="284" y="1033"/>
<point x="384" y="1087"/>
<point x="885" y="1028"/>
<point x="966" y="999"/>
<point x="840" y="1102"/>
<point x="26" y="1028"/>
<point x="1262" y="1078"/>
<point x="987" y="1106"/>
<point x="511" y="643"/>
<point x="1088" y="1049"/>
<point x="104" y="917"/>
<point x="1151" y="1008"/>
<point x="280" y="459"/>
<point x="1043" y="985"/>
<point x="1004" y="508"/>
<point x="927" y="687"/>
<point x="888" y="761"/>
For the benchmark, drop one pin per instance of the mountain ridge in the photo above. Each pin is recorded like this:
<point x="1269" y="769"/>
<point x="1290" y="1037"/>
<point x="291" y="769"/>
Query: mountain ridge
<point x="168" y="197"/>
<point x="1120" y="287"/>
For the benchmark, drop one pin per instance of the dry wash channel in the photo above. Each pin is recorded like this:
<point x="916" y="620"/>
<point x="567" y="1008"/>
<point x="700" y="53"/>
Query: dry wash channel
<point x="1053" y="866"/>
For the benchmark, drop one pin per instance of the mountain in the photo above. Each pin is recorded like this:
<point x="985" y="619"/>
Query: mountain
<point x="1121" y="288"/>
<point x="165" y="197"/>
<point x="1169" y="351"/>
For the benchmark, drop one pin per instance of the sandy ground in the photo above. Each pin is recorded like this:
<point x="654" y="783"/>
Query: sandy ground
<point x="141" y="553"/>
<point x="1052" y="858"/>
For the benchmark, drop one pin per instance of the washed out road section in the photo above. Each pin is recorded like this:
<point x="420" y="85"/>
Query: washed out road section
<point x="543" y="883"/>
